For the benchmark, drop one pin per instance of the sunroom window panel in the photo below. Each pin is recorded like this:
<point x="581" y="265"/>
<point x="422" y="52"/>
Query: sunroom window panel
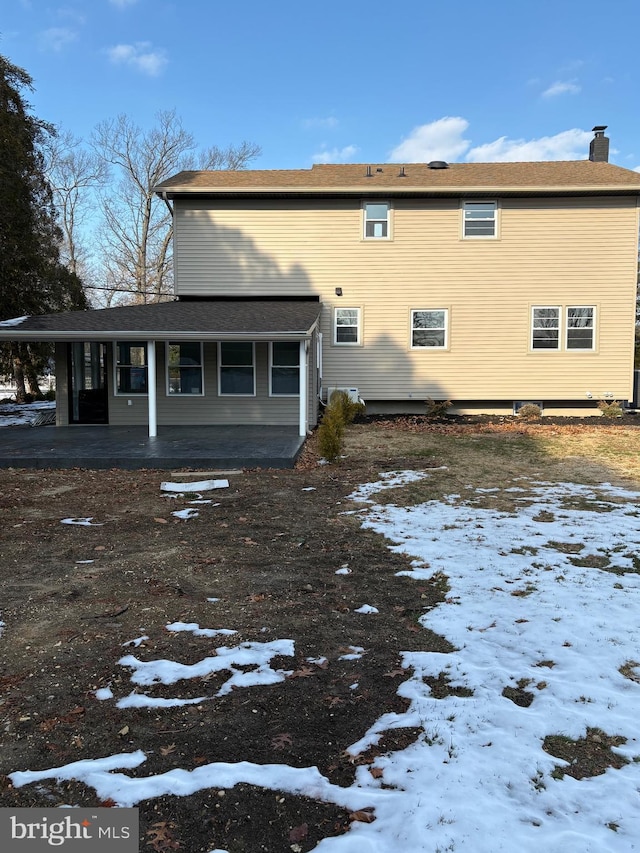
<point x="184" y="368"/>
<point x="285" y="368"/>
<point x="236" y="368"/>
<point x="131" y="368"/>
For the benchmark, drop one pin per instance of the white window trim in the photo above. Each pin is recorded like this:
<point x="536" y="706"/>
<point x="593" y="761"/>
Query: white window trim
<point x="116" y="363"/>
<point x="182" y="395"/>
<point x="535" y="308"/>
<point x="563" y="330"/>
<point x="271" y="366"/>
<point x="593" y="329"/>
<point x="220" y="366"/>
<point x="356" y="343"/>
<point x="412" y="329"/>
<point x="389" y="221"/>
<point x="496" y="219"/>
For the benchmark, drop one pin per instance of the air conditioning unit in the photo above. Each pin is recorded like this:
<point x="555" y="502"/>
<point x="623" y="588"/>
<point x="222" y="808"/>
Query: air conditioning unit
<point x="352" y="393"/>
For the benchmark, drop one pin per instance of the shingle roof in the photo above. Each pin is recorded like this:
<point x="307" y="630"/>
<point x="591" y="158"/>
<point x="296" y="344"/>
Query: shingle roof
<point x="200" y="320"/>
<point x="547" y="176"/>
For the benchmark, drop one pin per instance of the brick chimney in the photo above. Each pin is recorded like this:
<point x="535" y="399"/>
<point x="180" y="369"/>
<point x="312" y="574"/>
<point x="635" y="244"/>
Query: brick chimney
<point x="599" y="145"/>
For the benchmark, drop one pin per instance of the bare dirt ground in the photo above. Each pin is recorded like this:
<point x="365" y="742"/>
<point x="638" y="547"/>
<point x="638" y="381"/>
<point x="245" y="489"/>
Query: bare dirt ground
<point x="269" y="552"/>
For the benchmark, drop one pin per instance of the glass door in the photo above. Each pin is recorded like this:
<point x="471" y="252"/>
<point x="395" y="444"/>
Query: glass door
<point x="88" y="383"/>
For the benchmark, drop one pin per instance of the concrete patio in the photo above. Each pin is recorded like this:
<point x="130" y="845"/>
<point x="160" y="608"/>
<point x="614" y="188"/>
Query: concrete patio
<point x="175" y="447"/>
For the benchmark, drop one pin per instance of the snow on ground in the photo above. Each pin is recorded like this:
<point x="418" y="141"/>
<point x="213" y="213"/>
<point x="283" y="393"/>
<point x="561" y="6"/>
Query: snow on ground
<point x="542" y="596"/>
<point x="18" y="414"/>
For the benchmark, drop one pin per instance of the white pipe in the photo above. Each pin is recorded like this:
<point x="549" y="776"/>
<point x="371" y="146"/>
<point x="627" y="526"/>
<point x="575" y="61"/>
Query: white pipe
<point x="151" y="389"/>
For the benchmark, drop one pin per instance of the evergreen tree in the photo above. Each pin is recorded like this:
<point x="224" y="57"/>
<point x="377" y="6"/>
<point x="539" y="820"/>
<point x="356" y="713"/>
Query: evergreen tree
<point x="32" y="278"/>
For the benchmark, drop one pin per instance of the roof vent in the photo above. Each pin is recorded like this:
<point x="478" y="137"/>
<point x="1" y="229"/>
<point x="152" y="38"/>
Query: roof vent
<point x="438" y="164"/>
<point x="402" y="173"/>
<point x="369" y="175"/>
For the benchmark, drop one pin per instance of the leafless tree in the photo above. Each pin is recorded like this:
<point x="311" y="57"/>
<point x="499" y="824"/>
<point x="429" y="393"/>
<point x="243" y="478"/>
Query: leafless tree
<point x="75" y="174"/>
<point x="136" y="233"/>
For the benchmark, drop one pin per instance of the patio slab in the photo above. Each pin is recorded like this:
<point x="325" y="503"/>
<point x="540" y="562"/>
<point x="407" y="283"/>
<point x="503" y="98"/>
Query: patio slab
<point x="102" y="447"/>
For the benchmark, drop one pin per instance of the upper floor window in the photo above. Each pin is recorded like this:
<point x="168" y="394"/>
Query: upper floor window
<point x="578" y="333"/>
<point x="580" y="327"/>
<point x="376" y="220"/>
<point x="236" y="368"/>
<point x="429" y="328"/>
<point x="184" y="368"/>
<point x="480" y="218"/>
<point x="131" y="367"/>
<point x="347" y="326"/>
<point x="285" y="368"/>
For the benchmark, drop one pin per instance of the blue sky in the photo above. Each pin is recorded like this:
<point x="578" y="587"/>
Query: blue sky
<point x="343" y="80"/>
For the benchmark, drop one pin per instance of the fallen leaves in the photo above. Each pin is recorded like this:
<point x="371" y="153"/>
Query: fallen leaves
<point x="161" y="836"/>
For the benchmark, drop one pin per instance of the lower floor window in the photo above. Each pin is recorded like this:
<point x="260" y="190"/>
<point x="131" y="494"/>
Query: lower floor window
<point x="347" y="326"/>
<point x="429" y="328"/>
<point x="285" y="368"/>
<point x="550" y="325"/>
<point x="184" y="368"/>
<point x="580" y="327"/>
<point x="131" y="367"/>
<point x="236" y="368"/>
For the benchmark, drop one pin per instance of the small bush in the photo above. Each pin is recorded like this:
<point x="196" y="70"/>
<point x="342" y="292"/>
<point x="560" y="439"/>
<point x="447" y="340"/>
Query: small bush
<point x="611" y="409"/>
<point x="49" y="395"/>
<point x="330" y="434"/>
<point x="340" y="412"/>
<point x="530" y="412"/>
<point x="437" y="409"/>
<point x="347" y="408"/>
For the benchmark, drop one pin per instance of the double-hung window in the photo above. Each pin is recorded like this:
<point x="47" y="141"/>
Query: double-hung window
<point x="580" y="327"/>
<point x="347" y="326"/>
<point x="429" y="328"/>
<point x="571" y="328"/>
<point x="236" y="360"/>
<point x="479" y="219"/>
<point x="131" y="367"/>
<point x="545" y="328"/>
<point x="285" y="368"/>
<point x="376" y="220"/>
<point x="184" y="368"/>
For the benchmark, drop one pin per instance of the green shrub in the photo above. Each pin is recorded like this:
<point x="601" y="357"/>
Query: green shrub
<point x="437" y="409"/>
<point x="331" y="434"/>
<point x="49" y="395"/>
<point x="610" y="409"/>
<point x="530" y="412"/>
<point x="346" y="408"/>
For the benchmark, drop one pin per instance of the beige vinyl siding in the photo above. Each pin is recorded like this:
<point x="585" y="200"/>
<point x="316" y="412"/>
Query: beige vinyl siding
<point x="550" y="251"/>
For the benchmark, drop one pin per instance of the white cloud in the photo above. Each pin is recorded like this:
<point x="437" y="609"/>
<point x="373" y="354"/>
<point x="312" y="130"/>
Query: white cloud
<point x="438" y="140"/>
<point x="330" y="122"/>
<point x="140" y="56"/>
<point x="567" y="145"/>
<point x="569" y="87"/>
<point x="335" y="155"/>
<point x="122" y="4"/>
<point x="56" y="38"/>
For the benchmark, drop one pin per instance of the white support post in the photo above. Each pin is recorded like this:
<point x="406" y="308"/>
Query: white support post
<point x="304" y="379"/>
<point x="151" y="389"/>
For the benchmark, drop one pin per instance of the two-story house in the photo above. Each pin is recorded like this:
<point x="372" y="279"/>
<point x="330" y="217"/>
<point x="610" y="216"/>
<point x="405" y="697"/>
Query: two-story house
<point x="487" y="284"/>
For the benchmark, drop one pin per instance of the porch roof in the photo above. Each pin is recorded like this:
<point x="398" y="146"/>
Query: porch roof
<point x="203" y="320"/>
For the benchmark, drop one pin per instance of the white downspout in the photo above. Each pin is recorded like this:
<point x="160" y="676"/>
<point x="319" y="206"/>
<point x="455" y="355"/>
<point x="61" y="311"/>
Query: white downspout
<point x="304" y="379"/>
<point x="151" y="389"/>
